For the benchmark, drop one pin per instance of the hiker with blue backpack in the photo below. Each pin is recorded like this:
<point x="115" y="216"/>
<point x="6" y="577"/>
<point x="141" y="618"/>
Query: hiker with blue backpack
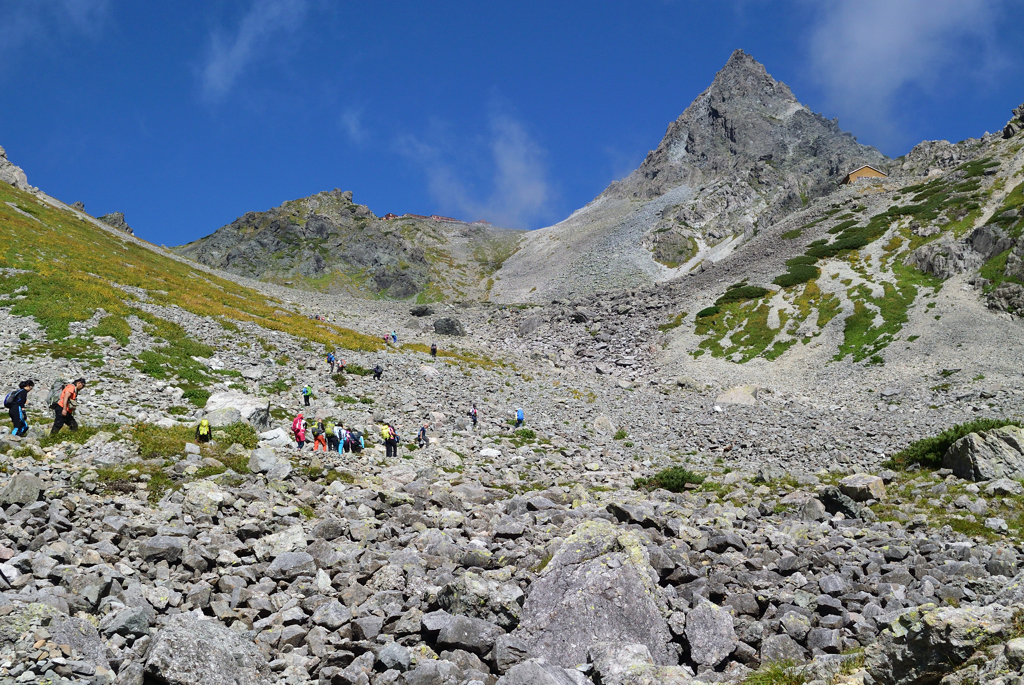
<point x="15" y="405"/>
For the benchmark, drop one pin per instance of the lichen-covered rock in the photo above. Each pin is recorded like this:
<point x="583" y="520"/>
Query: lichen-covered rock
<point x="996" y="453"/>
<point x="925" y="643"/>
<point x="190" y="650"/>
<point x="598" y="587"/>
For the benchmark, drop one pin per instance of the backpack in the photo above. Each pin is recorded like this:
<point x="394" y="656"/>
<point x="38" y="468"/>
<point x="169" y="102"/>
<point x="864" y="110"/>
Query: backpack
<point x="204" y="427"/>
<point x="317" y="430"/>
<point x="296" y="425"/>
<point x="9" y="399"/>
<point x="385" y="433"/>
<point x="53" y="397"/>
<point x="307" y="390"/>
<point x="329" y="427"/>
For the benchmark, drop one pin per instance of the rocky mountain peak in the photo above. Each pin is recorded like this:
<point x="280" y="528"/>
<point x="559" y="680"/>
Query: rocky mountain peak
<point x="742" y="122"/>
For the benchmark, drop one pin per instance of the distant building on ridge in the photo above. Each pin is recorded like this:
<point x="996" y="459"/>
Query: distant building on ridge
<point x="863" y="172"/>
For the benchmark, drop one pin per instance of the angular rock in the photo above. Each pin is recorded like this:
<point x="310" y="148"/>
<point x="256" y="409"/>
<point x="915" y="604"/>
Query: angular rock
<point x="996" y="453"/>
<point x="291" y="565"/>
<point x="598" y="587"/>
<point x="254" y="410"/>
<point x="23" y="488"/>
<point x="862" y="487"/>
<point x="449" y="326"/>
<point x="190" y="650"/>
<point x="709" y="630"/>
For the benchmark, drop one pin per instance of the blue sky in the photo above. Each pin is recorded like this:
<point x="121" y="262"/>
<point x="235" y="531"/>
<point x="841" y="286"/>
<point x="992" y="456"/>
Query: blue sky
<point x="186" y="115"/>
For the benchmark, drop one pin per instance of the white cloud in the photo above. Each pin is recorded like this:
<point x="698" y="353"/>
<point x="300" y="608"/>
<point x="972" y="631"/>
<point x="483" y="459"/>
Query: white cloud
<point x="45" y="21"/>
<point x="865" y="53"/>
<point x="352" y="124"/>
<point x="230" y="55"/>
<point x="516" y="192"/>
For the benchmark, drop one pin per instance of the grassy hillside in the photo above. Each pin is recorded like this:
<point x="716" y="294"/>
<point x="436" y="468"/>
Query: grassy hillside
<point x="60" y="269"/>
<point x="861" y="260"/>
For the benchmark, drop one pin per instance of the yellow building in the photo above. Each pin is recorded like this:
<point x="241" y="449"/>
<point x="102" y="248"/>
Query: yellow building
<point x="863" y="172"/>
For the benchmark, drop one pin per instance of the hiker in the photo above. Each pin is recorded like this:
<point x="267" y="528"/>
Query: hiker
<point x="377" y="371"/>
<point x="64" y="408"/>
<point x="319" y="437"/>
<point x="355" y="439"/>
<point x="421" y="437"/>
<point x="520" y="417"/>
<point x="472" y="414"/>
<point x="341" y="366"/>
<point x="330" y="360"/>
<point x="15" y="404"/>
<point x="394" y="337"/>
<point x="307" y="392"/>
<point x="299" y="430"/>
<point x="203" y="431"/>
<point x="331" y="431"/>
<point x="341" y="439"/>
<point x="433" y="350"/>
<point x="390" y="438"/>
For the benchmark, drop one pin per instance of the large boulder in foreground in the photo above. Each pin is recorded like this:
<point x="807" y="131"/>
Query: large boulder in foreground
<point x="190" y="650"/>
<point x="926" y="643"/>
<point x="254" y="410"/>
<point x="599" y="587"/>
<point x="991" y="454"/>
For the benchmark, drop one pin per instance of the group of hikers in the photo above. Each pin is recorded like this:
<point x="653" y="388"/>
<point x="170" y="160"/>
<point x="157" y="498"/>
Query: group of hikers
<point x="62" y="400"/>
<point x="327" y="436"/>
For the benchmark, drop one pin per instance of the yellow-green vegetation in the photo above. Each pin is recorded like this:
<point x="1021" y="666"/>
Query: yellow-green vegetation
<point x="67" y="269"/>
<point x="928" y="452"/>
<point x="675" y="322"/>
<point x="465" y="356"/>
<point x="793" y="235"/>
<point x="775" y="673"/>
<point x="924" y="495"/>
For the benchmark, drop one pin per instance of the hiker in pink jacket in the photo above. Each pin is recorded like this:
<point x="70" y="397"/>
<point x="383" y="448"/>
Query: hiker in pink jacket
<point x="299" y="429"/>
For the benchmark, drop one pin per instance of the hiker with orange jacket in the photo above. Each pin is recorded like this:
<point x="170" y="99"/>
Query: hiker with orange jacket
<point x="64" y="410"/>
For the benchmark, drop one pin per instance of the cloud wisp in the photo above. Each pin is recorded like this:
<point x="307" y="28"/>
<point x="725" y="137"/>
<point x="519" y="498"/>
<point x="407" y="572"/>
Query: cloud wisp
<point x="232" y="53"/>
<point x="42" y="21"/>
<point x="351" y="122"/>
<point x="865" y="53"/>
<point x="515" y="191"/>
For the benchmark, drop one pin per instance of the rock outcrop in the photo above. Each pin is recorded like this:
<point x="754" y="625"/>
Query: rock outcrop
<point x="11" y="174"/>
<point x="116" y="219"/>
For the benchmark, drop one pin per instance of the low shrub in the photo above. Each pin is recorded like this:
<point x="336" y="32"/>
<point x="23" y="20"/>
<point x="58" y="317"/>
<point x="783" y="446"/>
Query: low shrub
<point x="340" y="379"/>
<point x="928" y="452"/>
<point x="708" y="311"/>
<point x="673" y="479"/>
<point x="742" y="294"/>
<point x="792" y="235"/>
<point x="620" y="434"/>
<point x="798" y="273"/>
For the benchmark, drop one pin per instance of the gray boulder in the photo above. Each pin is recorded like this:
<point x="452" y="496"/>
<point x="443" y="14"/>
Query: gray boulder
<point x="23" y="488"/>
<point x="421" y="310"/>
<point x="537" y="672"/>
<point x="926" y="643"/>
<point x="709" y="630"/>
<point x="265" y="460"/>
<point x="81" y="636"/>
<point x="449" y="326"/>
<point x="225" y="416"/>
<point x="530" y="325"/>
<point x="474" y="595"/>
<point x="996" y="453"/>
<point x="254" y="410"/>
<point x="292" y="565"/>
<point x="598" y="587"/>
<point x="190" y="650"/>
